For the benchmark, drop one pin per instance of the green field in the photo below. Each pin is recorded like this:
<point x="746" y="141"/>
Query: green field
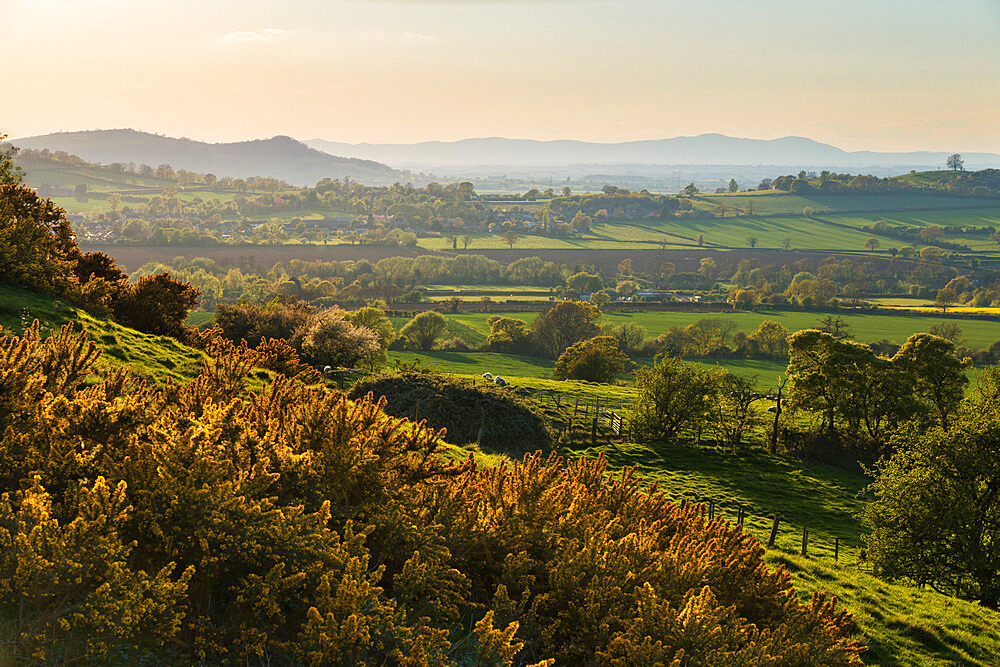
<point x="519" y="368"/>
<point x="774" y="202"/>
<point x="835" y="225"/>
<point x="866" y="327"/>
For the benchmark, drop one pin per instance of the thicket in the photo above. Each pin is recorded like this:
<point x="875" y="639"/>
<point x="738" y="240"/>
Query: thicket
<point x="207" y="523"/>
<point x="483" y="413"/>
<point x="323" y="337"/>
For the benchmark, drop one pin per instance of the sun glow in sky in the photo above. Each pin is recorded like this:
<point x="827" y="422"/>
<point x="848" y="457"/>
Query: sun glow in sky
<point x="882" y="75"/>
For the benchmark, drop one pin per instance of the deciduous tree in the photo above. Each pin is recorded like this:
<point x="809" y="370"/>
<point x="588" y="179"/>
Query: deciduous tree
<point x="598" y="359"/>
<point x="935" y="519"/>
<point x="670" y="396"/>
<point x="564" y="324"/>
<point x="937" y="374"/>
<point x="424" y="329"/>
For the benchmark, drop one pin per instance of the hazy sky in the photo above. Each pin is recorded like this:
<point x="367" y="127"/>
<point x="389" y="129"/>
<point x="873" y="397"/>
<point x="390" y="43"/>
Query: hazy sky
<point x="872" y="74"/>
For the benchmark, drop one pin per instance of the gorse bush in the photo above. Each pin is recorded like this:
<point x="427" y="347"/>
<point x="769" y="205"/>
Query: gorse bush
<point x="207" y="523"/>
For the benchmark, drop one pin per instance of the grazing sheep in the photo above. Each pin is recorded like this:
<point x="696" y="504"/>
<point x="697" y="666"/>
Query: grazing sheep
<point x="499" y="381"/>
<point x="488" y="376"/>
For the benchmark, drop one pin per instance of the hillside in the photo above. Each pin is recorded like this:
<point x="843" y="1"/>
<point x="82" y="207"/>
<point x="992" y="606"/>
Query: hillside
<point x="278" y="157"/>
<point x="902" y="625"/>
<point x="158" y="358"/>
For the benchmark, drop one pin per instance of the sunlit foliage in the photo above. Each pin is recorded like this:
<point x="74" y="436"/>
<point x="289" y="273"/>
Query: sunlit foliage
<point x="208" y="523"/>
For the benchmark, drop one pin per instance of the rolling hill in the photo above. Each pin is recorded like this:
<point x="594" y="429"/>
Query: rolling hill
<point x="278" y="157"/>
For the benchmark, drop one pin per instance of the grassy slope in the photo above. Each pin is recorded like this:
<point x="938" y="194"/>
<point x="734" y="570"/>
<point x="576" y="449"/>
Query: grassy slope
<point x="156" y="357"/>
<point x="101" y="181"/>
<point x="521" y="368"/>
<point x="901" y="624"/>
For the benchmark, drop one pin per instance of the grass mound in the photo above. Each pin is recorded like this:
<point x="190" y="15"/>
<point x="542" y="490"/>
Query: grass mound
<point x="491" y="415"/>
<point x="156" y="358"/>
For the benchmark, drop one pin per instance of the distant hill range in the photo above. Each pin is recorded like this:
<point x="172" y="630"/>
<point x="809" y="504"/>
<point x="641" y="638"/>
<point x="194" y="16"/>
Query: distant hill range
<point x="278" y="157"/>
<point x="704" y="149"/>
<point x="305" y="163"/>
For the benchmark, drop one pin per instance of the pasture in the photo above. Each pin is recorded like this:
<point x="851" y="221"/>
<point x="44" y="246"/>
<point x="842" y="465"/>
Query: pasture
<point x="867" y="327"/>
<point x="824" y="231"/>
<point x="901" y="624"/>
<point x="521" y="370"/>
<point x="775" y="202"/>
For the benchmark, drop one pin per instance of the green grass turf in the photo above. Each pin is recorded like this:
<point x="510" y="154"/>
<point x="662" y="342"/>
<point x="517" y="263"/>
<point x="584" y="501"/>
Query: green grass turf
<point x="900" y="624"/>
<point x="802" y="233"/>
<point x="199" y="318"/>
<point x="477" y="363"/>
<point x="828" y="230"/>
<point x="519" y="368"/>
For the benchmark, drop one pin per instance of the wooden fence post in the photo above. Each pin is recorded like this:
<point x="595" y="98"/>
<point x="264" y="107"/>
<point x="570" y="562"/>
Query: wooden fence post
<point x="836" y="549"/>
<point x="774" y="532"/>
<point x="711" y="510"/>
<point x="805" y="541"/>
<point x="593" y="431"/>
<point x="739" y="517"/>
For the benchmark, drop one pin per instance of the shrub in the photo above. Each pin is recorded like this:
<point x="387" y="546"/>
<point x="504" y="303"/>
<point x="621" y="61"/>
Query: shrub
<point x="254" y="322"/>
<point x="671" y="395"/>
<point x="486" y="414"/>
<point x="156" y="304"/>
<point x="329" y="338"/>
<point x="421" y="332"/>
<point x="508" y="335"/>
<point x="455" y="344"/>
<point x="376" y="320"/>
<point x="596" y="360"/>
